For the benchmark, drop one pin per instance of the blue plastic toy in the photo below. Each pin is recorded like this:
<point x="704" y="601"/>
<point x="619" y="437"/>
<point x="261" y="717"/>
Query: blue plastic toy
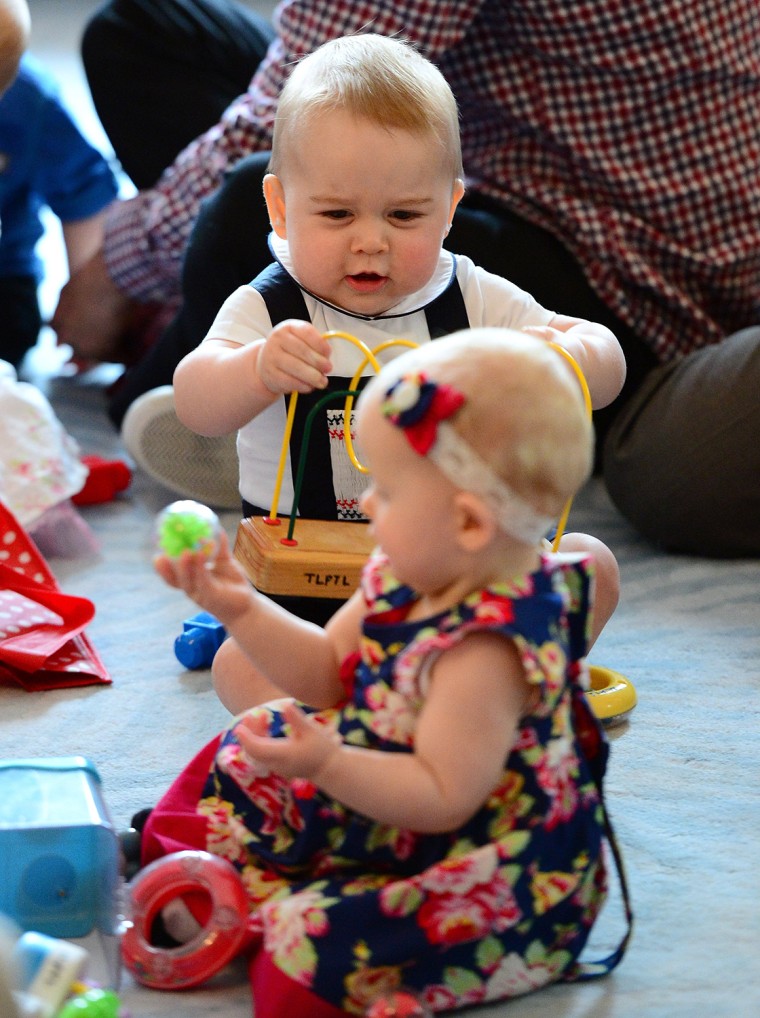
<point x="201" y="637"/>
<point x="59" y="851"/>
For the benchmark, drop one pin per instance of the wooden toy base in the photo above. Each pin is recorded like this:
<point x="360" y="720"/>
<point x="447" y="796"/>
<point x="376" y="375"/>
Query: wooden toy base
<point x="326" y="560"/>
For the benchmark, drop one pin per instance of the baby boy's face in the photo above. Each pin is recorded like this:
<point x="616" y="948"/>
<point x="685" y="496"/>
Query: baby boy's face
<point x="366" y="210"/>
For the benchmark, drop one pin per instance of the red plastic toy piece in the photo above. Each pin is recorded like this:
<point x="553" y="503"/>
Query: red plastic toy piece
<point x="215" y="945"/>
<point x="104" y="481"/>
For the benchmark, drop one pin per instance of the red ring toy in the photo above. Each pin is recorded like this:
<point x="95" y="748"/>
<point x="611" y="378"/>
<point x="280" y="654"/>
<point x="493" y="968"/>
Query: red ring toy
<point x="178" y="968"/>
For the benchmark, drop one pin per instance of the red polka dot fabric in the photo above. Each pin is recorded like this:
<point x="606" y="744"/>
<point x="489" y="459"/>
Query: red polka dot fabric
<point x="42" y="640"/>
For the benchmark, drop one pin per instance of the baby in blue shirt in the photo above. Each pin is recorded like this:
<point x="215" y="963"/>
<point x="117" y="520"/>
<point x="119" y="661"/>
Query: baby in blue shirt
<point x="44" y="161"/>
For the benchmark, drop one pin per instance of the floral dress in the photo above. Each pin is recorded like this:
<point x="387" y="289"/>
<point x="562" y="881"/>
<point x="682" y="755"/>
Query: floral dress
<point x="349" y="907"/>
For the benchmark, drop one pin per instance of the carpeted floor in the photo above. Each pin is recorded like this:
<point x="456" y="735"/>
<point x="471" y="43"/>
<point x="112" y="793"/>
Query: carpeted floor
<point x="683" y="778"/>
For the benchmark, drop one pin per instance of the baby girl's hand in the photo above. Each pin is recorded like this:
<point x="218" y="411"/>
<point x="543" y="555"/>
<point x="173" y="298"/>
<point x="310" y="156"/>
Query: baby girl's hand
<point x="303" y="754"/>
<point x="218" y="585"/>
<point x="295" y="357"/>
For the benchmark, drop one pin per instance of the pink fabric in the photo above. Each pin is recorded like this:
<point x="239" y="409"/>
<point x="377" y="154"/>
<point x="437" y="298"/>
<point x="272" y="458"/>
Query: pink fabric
<point x="277" y="996"/>
<point x="175" y="825"/>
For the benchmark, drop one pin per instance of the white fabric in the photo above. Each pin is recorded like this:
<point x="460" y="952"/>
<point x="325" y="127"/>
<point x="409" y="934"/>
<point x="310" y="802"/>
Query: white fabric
<point x="349" y="483"/>
<point x="458" y="461"/>
<point x="243" y="318"/>
<point x="40" y="464"/>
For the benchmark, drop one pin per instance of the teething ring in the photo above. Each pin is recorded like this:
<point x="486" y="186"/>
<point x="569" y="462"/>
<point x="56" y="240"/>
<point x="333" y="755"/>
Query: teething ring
<point x="611" y="695"/>
<point x="212" y="947"/>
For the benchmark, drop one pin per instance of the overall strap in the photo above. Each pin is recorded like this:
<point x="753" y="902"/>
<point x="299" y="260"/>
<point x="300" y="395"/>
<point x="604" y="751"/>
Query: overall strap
<point x="281" y="294"/>
<point x="594" y="746"/>
<point x="447" y="313"/>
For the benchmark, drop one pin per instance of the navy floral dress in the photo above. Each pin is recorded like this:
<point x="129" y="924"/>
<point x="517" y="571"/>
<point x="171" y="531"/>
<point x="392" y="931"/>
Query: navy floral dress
<point x="348" y="907"/>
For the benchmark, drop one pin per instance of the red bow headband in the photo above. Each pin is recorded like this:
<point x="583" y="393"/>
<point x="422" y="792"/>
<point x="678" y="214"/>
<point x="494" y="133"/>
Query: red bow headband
<point x="422" y="409"/>
<point x="417" y="406"/>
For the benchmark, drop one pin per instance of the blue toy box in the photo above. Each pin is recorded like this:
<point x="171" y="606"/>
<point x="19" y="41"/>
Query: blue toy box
<point x="59" y="852"/>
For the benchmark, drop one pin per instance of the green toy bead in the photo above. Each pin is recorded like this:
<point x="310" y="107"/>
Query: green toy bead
<point x="94" y="1003"/>
<point x="187" y="525"/>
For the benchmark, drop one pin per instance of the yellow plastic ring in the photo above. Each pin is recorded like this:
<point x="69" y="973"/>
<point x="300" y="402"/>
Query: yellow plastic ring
<point x="612" y="696"/>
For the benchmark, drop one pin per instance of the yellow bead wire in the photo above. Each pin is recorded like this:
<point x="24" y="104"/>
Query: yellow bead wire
<point x="587" y="403"/>
<point x="349" y="404"/>
<point x="369" y="358"/>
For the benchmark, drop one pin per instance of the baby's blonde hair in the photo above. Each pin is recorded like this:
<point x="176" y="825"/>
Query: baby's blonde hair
<point x="524" y="413"/>
<point x="385" y="81"/>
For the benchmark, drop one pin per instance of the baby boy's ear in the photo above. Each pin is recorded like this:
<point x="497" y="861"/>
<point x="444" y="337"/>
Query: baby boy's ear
<point x="476" y="524"/>
<point x="274" y="196"/>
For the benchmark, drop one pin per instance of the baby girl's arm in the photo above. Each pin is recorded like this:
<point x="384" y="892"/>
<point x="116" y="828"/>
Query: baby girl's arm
<point x="297" y="656"/>
<point x="469" y="722"/>
<point x="596" y="351"/>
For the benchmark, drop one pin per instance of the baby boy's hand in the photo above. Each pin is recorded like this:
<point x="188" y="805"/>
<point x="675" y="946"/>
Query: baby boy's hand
<point x="545" y="332"/>
<point x="295" y="358"/>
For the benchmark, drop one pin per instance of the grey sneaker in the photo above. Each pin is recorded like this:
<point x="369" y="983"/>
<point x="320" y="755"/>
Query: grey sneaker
<point x="204" y="469"/>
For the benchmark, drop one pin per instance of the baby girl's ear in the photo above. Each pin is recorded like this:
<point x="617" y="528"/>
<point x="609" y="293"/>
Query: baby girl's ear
<point x="476" y="524"/>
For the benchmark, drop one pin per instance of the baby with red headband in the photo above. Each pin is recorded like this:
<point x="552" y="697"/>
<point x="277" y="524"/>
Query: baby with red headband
<point x="519" y="441"/>
<point x="425" y="809"/>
